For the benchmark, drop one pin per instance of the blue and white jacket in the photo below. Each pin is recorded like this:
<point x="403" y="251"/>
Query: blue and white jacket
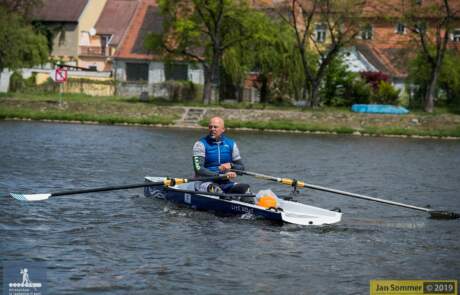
<point x="209" y="154"/>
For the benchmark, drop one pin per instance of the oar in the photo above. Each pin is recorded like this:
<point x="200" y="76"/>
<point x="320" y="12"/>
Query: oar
<point x="300" y="184"/>
<point x="167" y="182"/>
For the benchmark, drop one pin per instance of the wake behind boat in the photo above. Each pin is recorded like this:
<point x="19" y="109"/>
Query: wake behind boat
<point x="286" y="211"/>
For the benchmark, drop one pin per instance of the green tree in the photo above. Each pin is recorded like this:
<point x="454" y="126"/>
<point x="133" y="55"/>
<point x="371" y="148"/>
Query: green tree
<point x="321" y="29"/>
<point x="272" y="55"/>
<point x="201" y="31"/>
<point x="449" y="79"/>
<point x="20" y="45"/>
<point x="431" y="34"/>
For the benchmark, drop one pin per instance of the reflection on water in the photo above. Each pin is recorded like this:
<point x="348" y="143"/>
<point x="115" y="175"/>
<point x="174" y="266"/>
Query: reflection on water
<point x="120" y="242"/>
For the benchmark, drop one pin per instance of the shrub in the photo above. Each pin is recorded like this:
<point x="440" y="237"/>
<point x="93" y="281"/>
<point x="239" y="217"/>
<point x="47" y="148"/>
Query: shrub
<point x="342" y="87"/>
<point x="18" y="83"/>
<point x="386" y="94"/>
<point x="374" y="78"/>
<point x="360" y="91"/>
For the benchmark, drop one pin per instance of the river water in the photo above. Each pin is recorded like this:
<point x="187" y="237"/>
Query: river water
<point x="120" y="242"/>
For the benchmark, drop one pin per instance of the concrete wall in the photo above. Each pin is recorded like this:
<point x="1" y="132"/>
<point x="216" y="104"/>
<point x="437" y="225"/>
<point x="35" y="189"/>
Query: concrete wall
<point x="89" y="88"/>
<point x="5" y="80"/>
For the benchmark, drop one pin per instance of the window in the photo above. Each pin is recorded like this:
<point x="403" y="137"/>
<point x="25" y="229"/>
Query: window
<point x="137" y="72"/>
<point x="366" y="33"/>
<point x="420" y="27"/>
<point x="320" y="33"/>
<point x="418" y="2"/>
<point x="456" y="35"/>
<point x="400" y="28"/>
<point x="176" y="71"/>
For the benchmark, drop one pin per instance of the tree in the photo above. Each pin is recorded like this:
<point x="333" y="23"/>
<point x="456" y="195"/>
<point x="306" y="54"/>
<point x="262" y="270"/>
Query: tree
<point x="321" y="29"/>
<point x="432" y="39"/>
<point x="448" y="82"/>
<point x="201" y="31"/>
<point x="20" y="45"/>
<point x="272" y="55"/>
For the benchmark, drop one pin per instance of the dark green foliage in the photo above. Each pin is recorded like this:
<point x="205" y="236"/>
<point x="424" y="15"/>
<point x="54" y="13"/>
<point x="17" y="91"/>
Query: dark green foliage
<point x="20" y="45"/>
<point x="386" y="94"/>
<point x="342" y="87"/>
<point x="448" y="82"/>
<point x="17" y="83"/>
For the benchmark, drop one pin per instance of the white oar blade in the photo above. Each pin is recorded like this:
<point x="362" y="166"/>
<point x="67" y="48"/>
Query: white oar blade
<point x="34" y="197"/>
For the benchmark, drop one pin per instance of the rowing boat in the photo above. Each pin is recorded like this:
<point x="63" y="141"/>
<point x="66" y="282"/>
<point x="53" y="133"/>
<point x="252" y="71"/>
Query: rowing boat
<point x="286" y="211"/>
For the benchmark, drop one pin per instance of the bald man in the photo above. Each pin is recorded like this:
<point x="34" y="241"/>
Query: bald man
<point x="215" y="154"/>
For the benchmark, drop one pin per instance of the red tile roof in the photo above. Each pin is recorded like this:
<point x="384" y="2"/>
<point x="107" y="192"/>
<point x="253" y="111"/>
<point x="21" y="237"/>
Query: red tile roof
<point x="147" y="18"/>
<point x="390" y="60"/>
<point x="60" y="10"/>
<point x="115" y="18"/>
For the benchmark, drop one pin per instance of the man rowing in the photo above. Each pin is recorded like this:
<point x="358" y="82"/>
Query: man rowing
<point x="214" y="155"/>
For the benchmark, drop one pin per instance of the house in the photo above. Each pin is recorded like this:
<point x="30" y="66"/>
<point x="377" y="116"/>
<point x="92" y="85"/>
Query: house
<point x="143" y="71"/>
<point x="386" y="44"/>
<point x="106" y="35"/>
<point x="71" y="24"/>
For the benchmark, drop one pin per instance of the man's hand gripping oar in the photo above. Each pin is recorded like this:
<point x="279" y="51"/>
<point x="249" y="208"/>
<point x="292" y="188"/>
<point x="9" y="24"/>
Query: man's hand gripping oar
<point x="168" y="182"/>
<point x="437" y="214"/>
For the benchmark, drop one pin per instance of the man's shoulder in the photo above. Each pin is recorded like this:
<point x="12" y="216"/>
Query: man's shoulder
<point x="228" y="140"/>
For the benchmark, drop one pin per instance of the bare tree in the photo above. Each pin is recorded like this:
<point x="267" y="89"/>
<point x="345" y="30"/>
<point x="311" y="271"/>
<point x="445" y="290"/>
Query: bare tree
<point x="322" y="28"/>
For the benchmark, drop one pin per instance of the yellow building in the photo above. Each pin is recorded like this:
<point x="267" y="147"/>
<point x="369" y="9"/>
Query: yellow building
<point x="72" y="24"/>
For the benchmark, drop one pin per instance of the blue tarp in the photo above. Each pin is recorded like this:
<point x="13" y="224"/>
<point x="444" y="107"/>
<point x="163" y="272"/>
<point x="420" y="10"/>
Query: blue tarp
<point x="379" y="109"/>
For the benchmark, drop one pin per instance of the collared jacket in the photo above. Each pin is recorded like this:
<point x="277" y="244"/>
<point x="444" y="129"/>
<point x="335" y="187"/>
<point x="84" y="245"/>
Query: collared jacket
<point x="209" y="154"/>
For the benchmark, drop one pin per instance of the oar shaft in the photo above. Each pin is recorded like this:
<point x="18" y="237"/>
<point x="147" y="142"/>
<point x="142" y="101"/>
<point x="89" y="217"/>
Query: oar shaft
<point x="167" y="182"/>
<point x="301" y="184"/>
<point x="359" y="196"/>
<point x="104" y="189"/>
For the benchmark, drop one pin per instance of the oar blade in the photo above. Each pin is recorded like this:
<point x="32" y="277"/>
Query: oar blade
<point x="444" y="215"/>
<point x="30" y="197"/>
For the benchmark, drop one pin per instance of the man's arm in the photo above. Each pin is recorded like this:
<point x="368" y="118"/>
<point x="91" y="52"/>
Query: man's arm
<point x="198" y="161"/>
<point x="200" y="170"/>
<point x="237" y="162"/>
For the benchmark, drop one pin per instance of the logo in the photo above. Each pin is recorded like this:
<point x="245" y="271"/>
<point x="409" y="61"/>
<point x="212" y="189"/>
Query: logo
<point x="24" y="278"/>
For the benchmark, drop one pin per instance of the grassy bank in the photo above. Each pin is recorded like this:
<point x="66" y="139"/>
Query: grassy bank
<point x="56" y="115"/>
<point x="120" y="110"/>
<point x="69" y="107"/>
<point x="287" y="125"/>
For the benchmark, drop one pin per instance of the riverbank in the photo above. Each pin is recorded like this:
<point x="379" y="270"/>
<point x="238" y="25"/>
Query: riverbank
<point x="112" y="110"/>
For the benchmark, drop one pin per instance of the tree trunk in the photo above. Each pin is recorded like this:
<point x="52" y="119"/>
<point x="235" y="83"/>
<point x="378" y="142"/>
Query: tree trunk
<point x="207" y="85"/>
<point x="431" y="90"/>
<point x="314" y="97"/>
<point x="211" y="81"/>
<point x="305" y="93"/>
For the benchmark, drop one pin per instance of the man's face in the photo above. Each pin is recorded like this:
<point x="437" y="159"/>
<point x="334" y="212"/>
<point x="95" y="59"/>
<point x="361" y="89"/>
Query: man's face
<point x="216" y="128"/>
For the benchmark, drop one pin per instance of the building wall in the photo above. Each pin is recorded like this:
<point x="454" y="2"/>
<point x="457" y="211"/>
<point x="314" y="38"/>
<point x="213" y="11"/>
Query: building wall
<point x="87" y="21"/>
<point x="156" y="71"/>
<point x="65" y="43"/>
<point x="156" y="77"/>
<point x="91" y="14"/>
<point x="99" y="62"/>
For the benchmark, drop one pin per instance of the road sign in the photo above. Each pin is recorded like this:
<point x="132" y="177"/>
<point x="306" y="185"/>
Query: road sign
<point x="59" y="75"/>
